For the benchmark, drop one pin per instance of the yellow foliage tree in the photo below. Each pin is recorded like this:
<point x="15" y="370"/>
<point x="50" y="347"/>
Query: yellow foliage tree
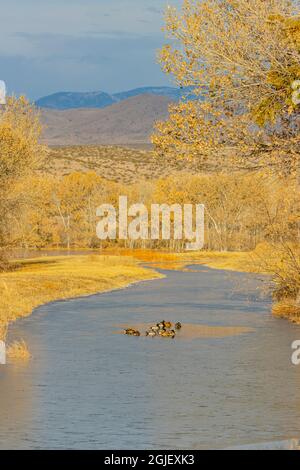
<point x="20" y="155"/>
<point x="242" y="59"/>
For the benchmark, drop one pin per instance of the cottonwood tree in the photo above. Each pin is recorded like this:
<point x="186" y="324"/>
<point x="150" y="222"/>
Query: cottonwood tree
<point x="242" y="59"/>
<point x="20" y="155"/>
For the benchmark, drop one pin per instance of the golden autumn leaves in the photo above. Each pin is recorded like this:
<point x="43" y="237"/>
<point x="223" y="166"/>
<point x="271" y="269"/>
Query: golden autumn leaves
<point x="20" y="154"/>
<point x="242" y="58"/>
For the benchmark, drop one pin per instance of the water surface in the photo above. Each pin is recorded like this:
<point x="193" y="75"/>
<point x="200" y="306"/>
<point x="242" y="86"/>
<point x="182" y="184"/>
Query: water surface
<point x="88" y="387"/>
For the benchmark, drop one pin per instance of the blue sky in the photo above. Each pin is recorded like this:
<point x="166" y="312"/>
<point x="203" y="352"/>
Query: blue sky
<point x="80" y="45"/>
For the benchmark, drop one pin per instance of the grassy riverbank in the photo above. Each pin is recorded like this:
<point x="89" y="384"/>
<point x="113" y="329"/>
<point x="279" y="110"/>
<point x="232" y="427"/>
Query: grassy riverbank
<point x="231" y="261"/>
<point x="39" y="281"/>
<point x="35" y="282"/>
<point x="263" y="260"/>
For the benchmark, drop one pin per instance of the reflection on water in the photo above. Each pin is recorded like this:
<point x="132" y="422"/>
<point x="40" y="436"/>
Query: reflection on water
<point x="16" y="405"/>
<point x="292" y="444"/>
<point x="190" y="331"/>
<point x="90" y="388"/>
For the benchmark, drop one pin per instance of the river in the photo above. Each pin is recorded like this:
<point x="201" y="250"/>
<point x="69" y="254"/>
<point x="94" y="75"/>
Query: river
<point x="90" y="388"/>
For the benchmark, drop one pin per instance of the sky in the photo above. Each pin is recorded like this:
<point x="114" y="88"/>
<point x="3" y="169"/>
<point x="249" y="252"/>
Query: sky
<point x="81" y="45"/>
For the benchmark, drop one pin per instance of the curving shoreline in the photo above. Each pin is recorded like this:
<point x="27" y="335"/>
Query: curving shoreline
<point x="41" y="281"/>
<point x="80" y="357"/>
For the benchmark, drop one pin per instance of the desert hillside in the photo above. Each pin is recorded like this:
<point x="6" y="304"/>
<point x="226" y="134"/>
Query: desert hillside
<point x="115" y="163"/>
<point x="101" y="99"/>
<point x="127" y="122"/>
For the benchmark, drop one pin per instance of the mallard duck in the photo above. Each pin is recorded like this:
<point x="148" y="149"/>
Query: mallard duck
<point x="169" y="334"/>
<point x="168" y="324"/>
<point x="136" y="333"/>
<point x="151" y="333"/>
<point x="155" y="328"/>
<point x="178" y="326"/>
<point x="161" y="325"/>
<point x="162" y="332"/>
<point x="129" y="331"/>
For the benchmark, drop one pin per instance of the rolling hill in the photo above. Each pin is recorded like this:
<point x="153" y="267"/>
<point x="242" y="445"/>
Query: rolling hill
<point x="100" y="99"/>
<point x="129" y="121"/>
<point x="70" y="100"/>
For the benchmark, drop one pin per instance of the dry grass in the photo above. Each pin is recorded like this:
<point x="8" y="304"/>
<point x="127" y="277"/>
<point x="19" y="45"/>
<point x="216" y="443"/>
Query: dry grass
<point x="18" y="351"/>
<point x="120" y="164"/>
<point x="43" y="280"/>
<point x="287" y="309"/>
<point x="3" y="329"/>
<point x="231" y="261"/>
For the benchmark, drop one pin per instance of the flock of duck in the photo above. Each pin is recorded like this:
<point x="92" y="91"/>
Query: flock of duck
<point x="164" y="329"/>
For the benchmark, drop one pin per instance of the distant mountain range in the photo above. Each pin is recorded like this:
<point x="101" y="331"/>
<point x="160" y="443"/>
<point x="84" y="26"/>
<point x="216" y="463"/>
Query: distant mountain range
<point x="101" y="100"/>
<point x="129" y="121"/>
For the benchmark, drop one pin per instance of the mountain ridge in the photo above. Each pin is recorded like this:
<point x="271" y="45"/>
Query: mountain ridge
<point x="65" y="100"/>
<point x="129" y="121"/>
